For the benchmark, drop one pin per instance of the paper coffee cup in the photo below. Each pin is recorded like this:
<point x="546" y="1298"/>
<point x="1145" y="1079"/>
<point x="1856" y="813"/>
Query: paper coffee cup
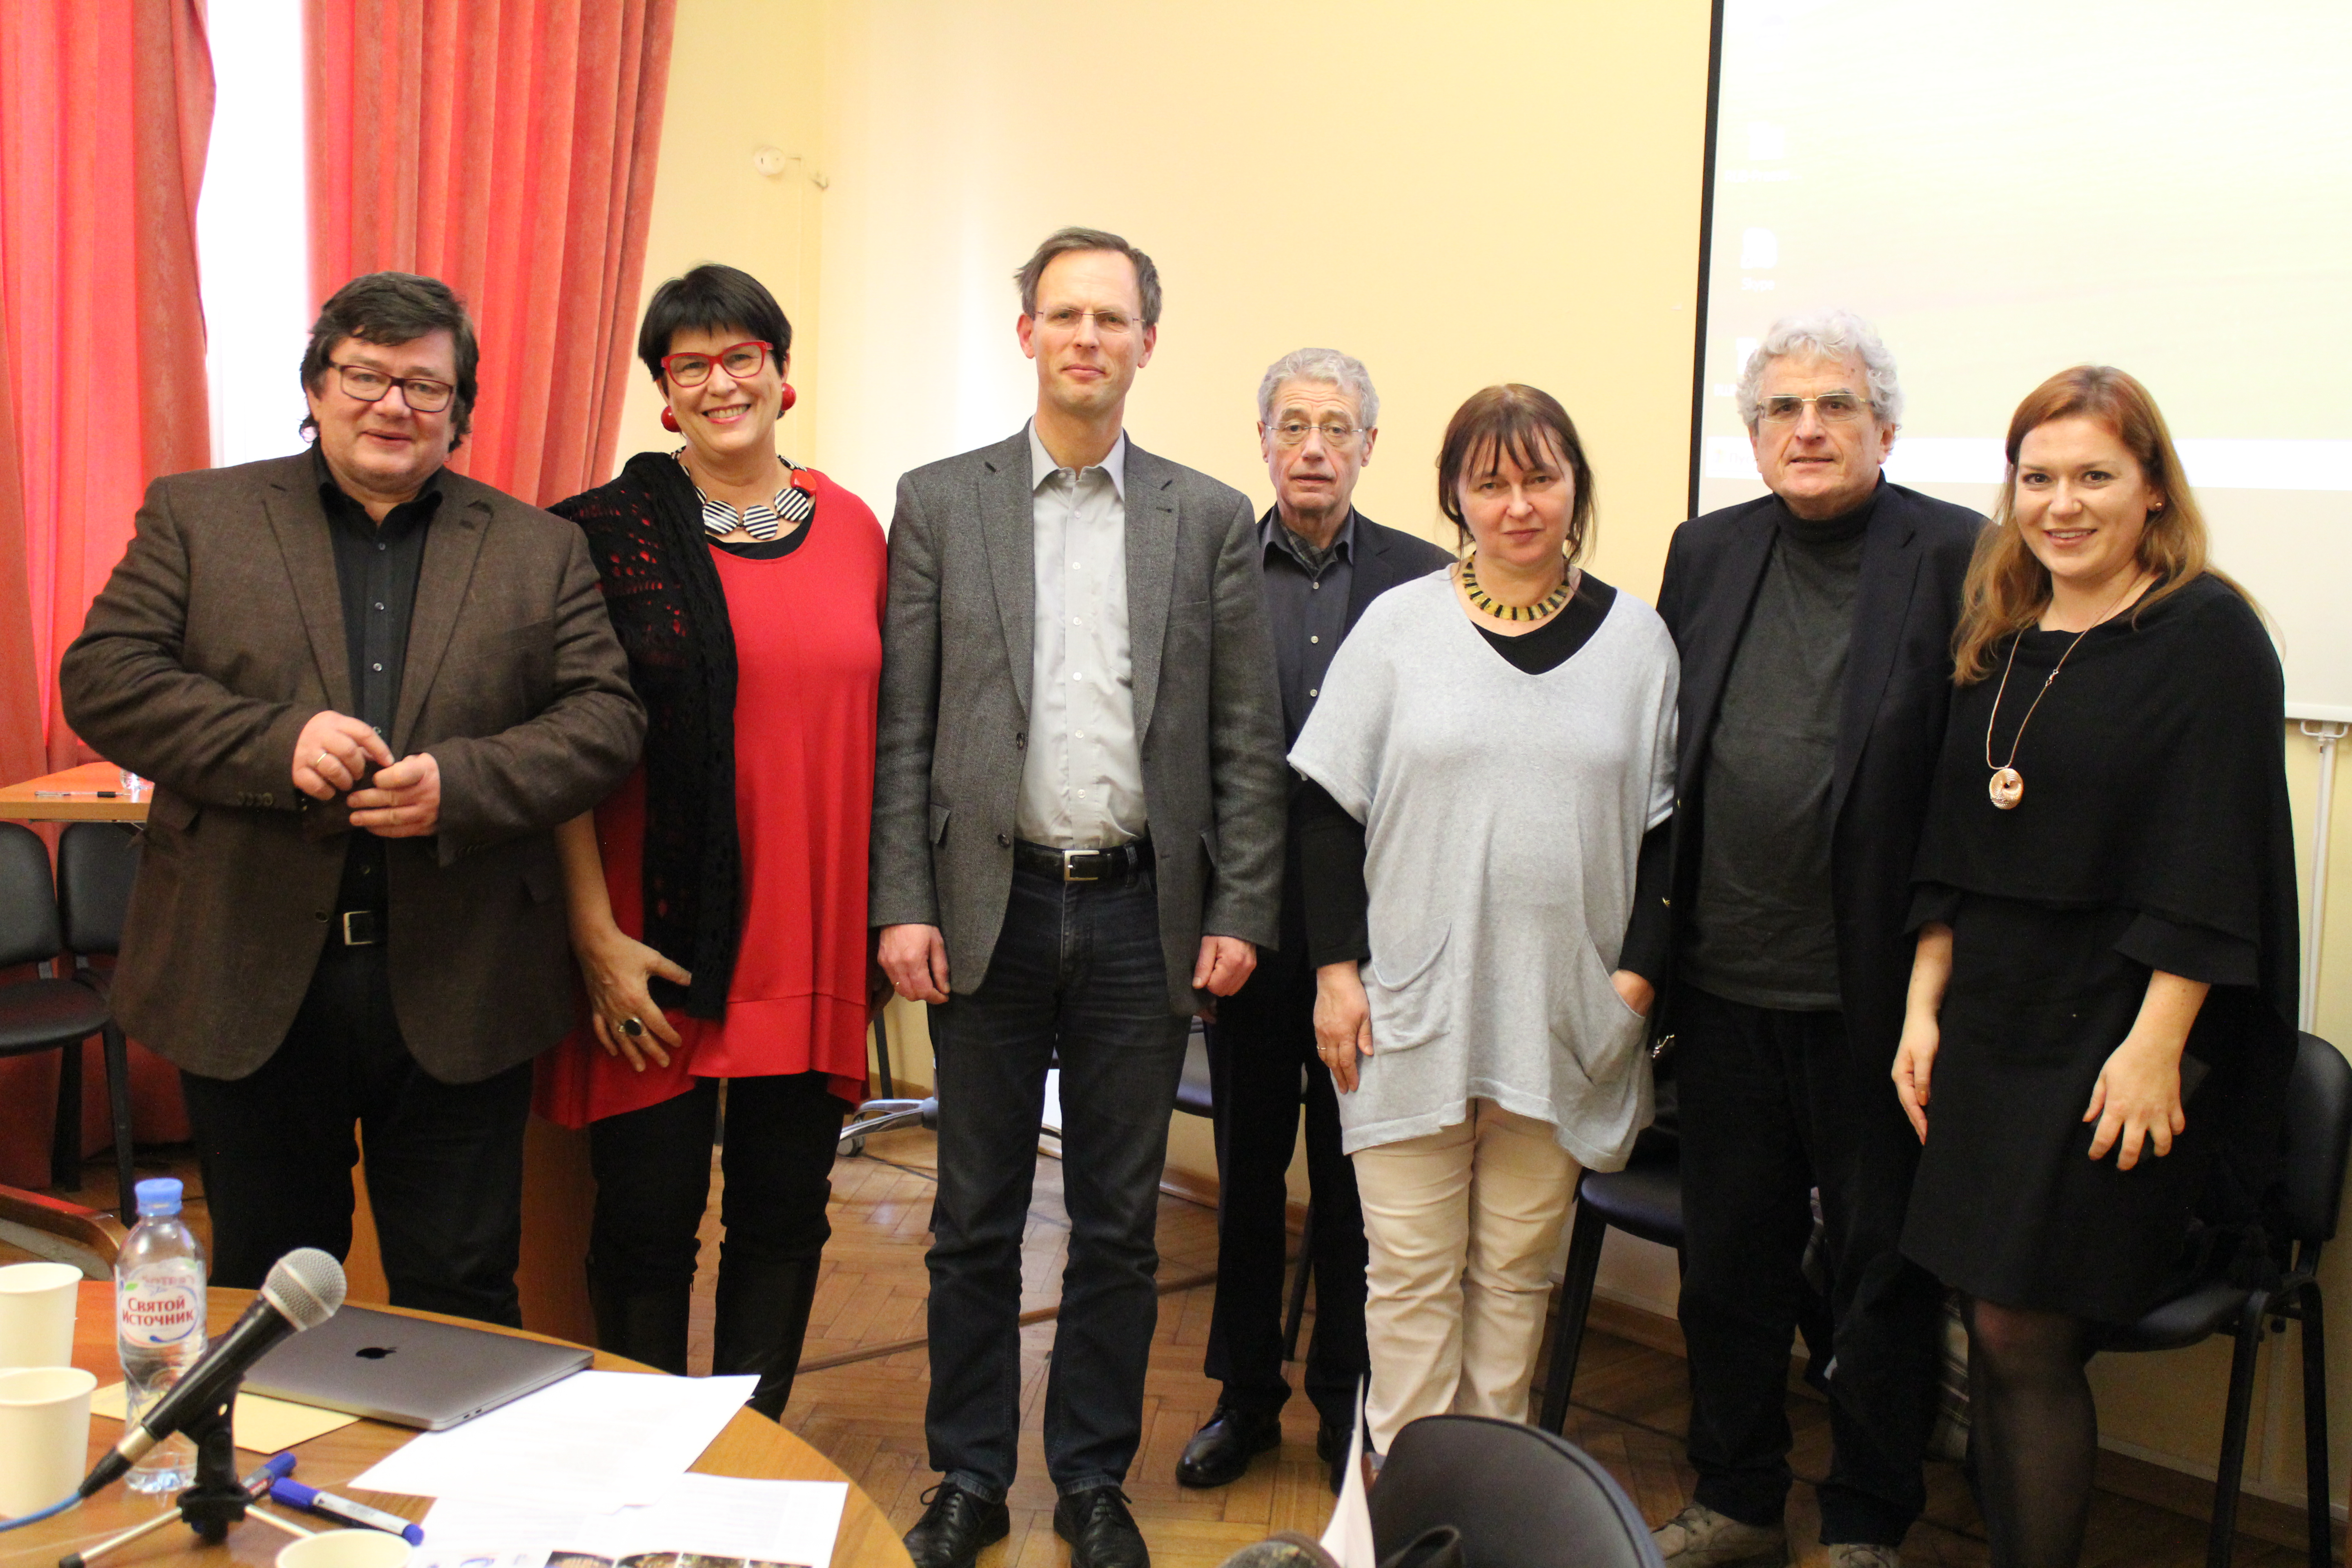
<point x="44" y="1436"/>
<point x="357" y="1547"/>
<point x="37" y="1313"/>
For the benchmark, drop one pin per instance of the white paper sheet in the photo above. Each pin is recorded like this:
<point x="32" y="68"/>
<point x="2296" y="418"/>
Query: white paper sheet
<point x="711" y="1516"/>
<point x="594" y="1442"/>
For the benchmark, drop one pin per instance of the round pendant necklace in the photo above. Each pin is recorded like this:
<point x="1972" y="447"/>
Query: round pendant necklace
<point x="2007" y="785"/>
<point x="1542" y="609"/>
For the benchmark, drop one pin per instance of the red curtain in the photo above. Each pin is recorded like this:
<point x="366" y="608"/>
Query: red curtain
<point x="104" y="115"/>
<point x="506" y="147"/>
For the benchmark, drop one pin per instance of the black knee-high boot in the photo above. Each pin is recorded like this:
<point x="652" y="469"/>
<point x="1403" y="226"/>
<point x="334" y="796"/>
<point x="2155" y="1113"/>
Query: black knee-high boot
<point x="761" y="1320"/>
<point x="648" y="1326"/>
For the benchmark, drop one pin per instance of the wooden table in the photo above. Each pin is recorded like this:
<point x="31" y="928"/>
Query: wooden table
<point x="749" y="1445"/>
<point x="21" y="802"/>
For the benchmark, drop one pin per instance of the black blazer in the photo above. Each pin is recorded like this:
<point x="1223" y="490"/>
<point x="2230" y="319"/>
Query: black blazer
<point x="1381" y="558"/>
<point x="1898" y="687"/>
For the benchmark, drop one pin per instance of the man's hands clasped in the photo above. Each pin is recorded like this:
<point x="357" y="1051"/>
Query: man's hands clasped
<point x="334" y="752"/>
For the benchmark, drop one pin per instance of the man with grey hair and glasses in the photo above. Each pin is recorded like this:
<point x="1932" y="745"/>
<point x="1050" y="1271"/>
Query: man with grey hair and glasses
<point x="1323" y="561"/>
<point x="1815" y="629"/>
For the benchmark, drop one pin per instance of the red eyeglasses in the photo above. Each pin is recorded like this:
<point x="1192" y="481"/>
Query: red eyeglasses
<point x="743" y="361"/>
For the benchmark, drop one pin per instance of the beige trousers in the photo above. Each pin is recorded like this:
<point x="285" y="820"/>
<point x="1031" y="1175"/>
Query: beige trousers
<point x="1463" y="1225"/>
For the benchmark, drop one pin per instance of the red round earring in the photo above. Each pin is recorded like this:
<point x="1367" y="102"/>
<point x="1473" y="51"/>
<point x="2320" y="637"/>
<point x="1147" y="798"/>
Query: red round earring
<point x="785" y="405"/>
<point x="669" y="420"/>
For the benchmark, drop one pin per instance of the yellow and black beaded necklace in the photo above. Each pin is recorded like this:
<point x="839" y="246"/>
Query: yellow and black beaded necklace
<point x="1542" y="609"/>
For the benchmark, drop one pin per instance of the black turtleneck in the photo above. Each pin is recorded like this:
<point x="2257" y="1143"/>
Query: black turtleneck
<point x="1762" y="929"/>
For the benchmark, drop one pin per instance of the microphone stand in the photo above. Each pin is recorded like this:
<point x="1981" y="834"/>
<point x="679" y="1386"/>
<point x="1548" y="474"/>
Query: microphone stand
<point x="216" y="1499"/>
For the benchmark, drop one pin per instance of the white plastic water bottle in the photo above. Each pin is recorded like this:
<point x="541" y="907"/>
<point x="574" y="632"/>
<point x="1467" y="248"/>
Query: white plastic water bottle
<point x="159" y="1323"/>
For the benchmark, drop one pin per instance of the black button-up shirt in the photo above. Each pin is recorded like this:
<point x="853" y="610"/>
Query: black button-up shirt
<point x="376" y="568"/>
<point x="1307" y="606"/>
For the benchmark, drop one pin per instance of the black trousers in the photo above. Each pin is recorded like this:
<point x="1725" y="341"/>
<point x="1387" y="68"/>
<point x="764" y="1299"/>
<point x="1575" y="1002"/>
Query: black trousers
<point x="444" y="1160"/>
<point x="653" y="1181"/>
<point x="1774" y="1104"/>
<point x="1262" y="1039"/>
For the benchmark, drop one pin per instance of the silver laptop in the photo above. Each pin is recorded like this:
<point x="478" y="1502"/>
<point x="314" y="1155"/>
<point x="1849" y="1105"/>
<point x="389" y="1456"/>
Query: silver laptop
<point x="409" y="1371"/>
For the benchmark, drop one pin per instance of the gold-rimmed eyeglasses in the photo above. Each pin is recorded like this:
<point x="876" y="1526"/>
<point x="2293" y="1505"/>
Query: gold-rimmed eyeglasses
<point x="422" y="394"/>
<point x="1834" y="408"/>
<point x="1336" y="435"/>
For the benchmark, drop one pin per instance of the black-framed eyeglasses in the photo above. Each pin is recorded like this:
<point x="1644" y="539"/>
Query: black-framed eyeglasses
<point x="422" y="394"/>
<point x="1336" y="435"/>
<point x="743" y="361"/>
<point x="1834" y="408"/>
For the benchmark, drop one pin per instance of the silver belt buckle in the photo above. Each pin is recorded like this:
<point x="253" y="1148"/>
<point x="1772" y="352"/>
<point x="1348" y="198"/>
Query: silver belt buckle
<point x="362" y="928"/>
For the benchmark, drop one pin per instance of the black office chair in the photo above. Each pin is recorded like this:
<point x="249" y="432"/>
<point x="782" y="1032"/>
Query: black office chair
<point x="1645" y="1199"/>
<point x="1517" y="1496"/>
<point x="889" y="1111"/>
<point x="2318" y="1133"/>
<point x="51" y="1013"/>
<point x="97" y="863"/>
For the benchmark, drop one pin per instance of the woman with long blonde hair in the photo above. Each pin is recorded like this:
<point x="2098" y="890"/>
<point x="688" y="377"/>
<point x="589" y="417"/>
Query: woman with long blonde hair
<point x="2102" y="1008"/>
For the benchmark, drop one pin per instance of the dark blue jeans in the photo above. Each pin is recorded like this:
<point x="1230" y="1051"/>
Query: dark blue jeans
<point x="1077" y="969"/>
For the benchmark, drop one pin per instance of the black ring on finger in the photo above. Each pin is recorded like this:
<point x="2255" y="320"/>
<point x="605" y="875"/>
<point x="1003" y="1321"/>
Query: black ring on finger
<point x="632" y="1028"/>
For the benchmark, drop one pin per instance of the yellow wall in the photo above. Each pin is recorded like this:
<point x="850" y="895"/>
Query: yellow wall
<point x="1458" y="196"/>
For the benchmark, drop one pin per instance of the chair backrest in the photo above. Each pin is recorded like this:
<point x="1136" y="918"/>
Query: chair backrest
<point x="1519" y="1496"/>
<point x="2318" y="1136"/>
<point x="96" y="864"/>
<point x="30" y="932"/>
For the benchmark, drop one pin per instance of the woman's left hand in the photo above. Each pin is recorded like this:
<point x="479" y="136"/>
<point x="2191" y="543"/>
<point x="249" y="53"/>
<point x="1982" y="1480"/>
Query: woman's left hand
<point x="1636" y="993"/>
<point x="2136" y="1100"/>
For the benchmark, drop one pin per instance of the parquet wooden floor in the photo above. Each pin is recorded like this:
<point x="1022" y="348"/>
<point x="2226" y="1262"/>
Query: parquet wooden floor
<point x="1632" y="1403"/>
<point x="860" y="1398"/>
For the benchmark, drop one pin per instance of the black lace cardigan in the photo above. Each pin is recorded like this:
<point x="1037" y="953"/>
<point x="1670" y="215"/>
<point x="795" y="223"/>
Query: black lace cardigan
<point x="645" y="529"/>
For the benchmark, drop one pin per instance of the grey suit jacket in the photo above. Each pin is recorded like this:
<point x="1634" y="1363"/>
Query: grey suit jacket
<point x="219" y="636"/>
<point x="957" y="650"/>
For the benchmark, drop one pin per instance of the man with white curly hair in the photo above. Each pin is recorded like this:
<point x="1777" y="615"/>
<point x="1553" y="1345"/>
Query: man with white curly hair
<point x="1815" y="629"/>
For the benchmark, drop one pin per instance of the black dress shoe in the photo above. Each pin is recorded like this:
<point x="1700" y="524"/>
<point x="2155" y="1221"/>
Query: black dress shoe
<point x="1100" y="1530"/>
<point x="1331" y="1444"/>
<point x="1221" y="1451"/>
<point x="955" y="1526"/>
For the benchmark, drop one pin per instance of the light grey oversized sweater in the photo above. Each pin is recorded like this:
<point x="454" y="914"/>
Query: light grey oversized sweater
<point x="1503" y="813"/>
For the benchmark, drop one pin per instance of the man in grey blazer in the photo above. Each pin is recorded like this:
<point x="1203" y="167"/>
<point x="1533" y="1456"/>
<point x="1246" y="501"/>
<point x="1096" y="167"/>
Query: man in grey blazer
<point x="367" y="689"/>
<point x="1077" y="839"/>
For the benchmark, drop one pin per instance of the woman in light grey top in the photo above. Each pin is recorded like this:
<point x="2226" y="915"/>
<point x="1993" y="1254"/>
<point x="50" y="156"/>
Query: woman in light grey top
<point x="1489" y="749"/>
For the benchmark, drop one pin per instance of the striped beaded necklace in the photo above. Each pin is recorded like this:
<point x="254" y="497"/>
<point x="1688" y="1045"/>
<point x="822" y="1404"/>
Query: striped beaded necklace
<point x="1542" y="609"/>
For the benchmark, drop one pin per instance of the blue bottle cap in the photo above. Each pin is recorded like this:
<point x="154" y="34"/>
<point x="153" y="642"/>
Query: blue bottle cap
<point x="159" y="1195"/>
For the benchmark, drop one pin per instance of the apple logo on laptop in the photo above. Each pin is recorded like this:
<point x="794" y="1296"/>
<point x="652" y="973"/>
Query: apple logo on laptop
<point x="376" y="1353"/>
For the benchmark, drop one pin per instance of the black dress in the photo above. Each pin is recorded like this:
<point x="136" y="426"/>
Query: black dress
<point x="2153" y="833"/>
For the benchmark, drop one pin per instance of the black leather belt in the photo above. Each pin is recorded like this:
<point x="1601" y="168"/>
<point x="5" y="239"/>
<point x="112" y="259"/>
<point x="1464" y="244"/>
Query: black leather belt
<point x="358" y="928"/>
<point x="1121" y="860"/>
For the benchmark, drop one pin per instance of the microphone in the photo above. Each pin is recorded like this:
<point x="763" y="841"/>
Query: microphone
<point x="305" y="1287"/>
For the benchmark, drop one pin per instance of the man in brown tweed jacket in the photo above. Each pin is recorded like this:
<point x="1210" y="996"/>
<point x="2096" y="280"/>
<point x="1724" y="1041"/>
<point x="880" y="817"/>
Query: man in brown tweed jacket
<point x="367" y="689"/>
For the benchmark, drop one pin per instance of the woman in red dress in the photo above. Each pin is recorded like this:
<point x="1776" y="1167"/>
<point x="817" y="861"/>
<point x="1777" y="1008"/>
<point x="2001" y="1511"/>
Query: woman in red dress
<point x="718" y="899"/>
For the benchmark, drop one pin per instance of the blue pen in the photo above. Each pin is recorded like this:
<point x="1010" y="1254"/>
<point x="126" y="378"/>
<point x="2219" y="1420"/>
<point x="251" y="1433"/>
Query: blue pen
<point x="294" y="1494"/>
